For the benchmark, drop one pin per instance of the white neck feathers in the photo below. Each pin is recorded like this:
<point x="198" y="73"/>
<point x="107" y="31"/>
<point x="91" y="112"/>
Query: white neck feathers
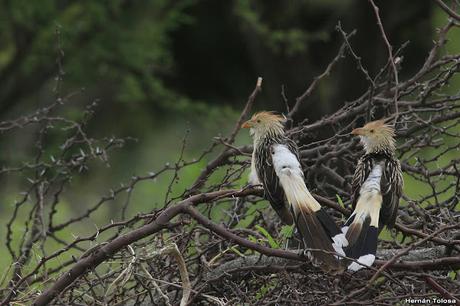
<point x="373" y="145"/>
<point x="261" y="132"/>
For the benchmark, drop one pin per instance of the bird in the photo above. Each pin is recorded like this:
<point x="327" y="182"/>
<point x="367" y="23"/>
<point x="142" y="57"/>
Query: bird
<point x="375" y="192"/>
<point x="275" y="163"/>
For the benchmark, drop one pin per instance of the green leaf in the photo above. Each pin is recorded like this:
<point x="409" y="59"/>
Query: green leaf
<point x="236" y="251"/>
<point x="339" y="200"/>
<point x="269" y="237"/>
<point x="287" y="231"/>
<point x="252" y="238"/>
<point x="265" y="289"/>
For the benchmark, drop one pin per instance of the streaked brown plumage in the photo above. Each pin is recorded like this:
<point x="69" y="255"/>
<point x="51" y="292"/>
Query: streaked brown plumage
<point x="376" y="189"/>
<point x="277" y="166"/>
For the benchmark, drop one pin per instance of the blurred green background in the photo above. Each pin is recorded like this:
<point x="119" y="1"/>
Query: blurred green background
<point x="159" y="68"/>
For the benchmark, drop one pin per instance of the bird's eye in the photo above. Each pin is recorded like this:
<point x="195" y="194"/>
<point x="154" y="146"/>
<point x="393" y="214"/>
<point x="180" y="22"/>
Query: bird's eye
<point x="372" y="131"/>
<point x="258" y="120"/>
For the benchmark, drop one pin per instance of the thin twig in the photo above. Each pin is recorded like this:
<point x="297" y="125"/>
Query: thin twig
<point x="448" y="10"/>
<point x="391" y="59"/>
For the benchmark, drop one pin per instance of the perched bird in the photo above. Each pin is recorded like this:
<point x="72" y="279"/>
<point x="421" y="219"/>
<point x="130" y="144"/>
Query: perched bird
<point x="376" y="189"/>
<point x="276" y="165"/>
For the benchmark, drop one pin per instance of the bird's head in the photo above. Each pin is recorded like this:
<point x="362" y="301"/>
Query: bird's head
<point x="376" y="136"/>
<point x="265" y="123"/>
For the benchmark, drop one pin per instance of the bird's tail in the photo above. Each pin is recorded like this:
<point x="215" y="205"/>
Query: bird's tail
<point x="362" y="229"/>
<point x="319" y="232"/>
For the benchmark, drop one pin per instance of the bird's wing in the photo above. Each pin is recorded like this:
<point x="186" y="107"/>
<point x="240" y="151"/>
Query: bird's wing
<point x="313" y="223"/>
<point x="362" y="171"/>
<point x="274" y="192"/>
<point x="391" y="187"/>
<point x="328" y="224"/>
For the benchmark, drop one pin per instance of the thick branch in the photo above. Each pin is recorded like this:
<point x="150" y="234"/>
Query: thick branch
<point x="420" y="259"/>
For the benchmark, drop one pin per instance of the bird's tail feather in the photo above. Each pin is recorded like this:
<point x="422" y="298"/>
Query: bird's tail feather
<point x="332" y="230"/>
<point x="315" y="238"/>
<point x="313" y="223"/>
<point x="359" y="225"/>
<point x="364" y="249"/>
<point x="361" y="231"/>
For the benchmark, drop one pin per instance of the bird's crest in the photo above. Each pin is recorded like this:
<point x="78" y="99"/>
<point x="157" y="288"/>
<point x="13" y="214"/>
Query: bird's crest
<point x="268" y="116"/>
<point x="264" y="124"/>
<point x="376" y="136"/>
<point x="381" y="126"/>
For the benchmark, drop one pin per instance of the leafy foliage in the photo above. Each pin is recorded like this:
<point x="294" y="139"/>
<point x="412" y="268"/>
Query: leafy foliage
<point x="124" y="45"/>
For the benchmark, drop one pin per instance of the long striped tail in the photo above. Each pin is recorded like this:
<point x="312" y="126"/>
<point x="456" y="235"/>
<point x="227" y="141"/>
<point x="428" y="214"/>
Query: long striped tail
<point x="362" y="230"/>
<point x="319" y="232"/>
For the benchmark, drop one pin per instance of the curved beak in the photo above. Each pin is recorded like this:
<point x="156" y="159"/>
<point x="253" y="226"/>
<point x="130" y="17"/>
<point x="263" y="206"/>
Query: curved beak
<point x="247" y="125"/>
<point x="358" y="131"/>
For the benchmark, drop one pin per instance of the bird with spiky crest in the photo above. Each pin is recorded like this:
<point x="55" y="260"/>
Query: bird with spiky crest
<point x="276" y="164"/>
<point x="376" y="189"/>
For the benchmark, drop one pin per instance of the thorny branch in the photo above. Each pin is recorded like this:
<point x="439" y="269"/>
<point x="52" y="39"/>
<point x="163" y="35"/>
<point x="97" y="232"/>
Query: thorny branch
<point x="390" y="58"/>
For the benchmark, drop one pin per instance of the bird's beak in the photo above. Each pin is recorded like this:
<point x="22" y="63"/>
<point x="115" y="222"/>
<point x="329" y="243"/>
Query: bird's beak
<point x="247" y="125"/>
<point x="358" y="131"/>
